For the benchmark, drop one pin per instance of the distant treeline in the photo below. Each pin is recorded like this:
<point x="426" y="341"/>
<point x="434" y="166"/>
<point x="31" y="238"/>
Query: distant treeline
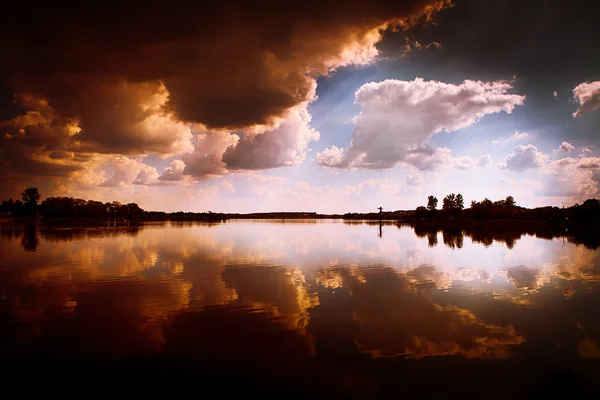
<point x="69" y="207"/>
<point x="453" y="209"/>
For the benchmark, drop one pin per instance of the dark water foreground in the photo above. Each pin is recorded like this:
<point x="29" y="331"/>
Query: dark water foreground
<point x="323" y="309"/>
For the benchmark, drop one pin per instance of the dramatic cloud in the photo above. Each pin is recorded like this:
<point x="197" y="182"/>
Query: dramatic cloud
<point x="281" y="146"/>
<point x="589" y="162"/>
<point x="147" y="176"/>
<point x="131" y="80"/>
<point x="426" y="158"/>
<point x="515" y="137"/>
<point x="207" y="158"/>
<point x="41" y="143"/>
<point x="120" y="118"/>
<point x="398" y="118"/>
<point x="127" y="171"/>
<point x="587" y="94"/>
<point x="566" y="147"/>
<point x="571" y="177"/>
<point x="227" y="65"/>
<point x="523" y="158"/>
<point x="174" y="172"/>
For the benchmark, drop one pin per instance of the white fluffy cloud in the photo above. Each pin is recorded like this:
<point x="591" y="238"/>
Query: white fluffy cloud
<point x="589" y="162"/>
<point x="466" y="162"/>
<point x="207" y="158"/>
<point x="174" y="172"/>
<point x="566" y="147"/>
<point x="130" y="171"/>
<point x="523" y="158"/>
<point x="147" y="175"/>
<point x="587" y="94"/>
<point x="426" y="158"/>
<point x="283" y="145"/>
<point x="483" y="161"/>
<point x="126" y="171"/>
<point x="398" y="118"/>
<point x="515" y="137"/>
<point x="571" y="177"/>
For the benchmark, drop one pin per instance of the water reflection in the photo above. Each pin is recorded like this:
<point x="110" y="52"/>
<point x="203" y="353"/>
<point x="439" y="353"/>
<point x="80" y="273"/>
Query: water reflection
<point x="30" y="240"/>
<point x="396" y="316"/>
<point x="317" y="295"/>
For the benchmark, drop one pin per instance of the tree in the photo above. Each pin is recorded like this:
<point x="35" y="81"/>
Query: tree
<point x="31" y="196"/>
<point x="432" y="203"/>
<point x="449" y="202"/>
<point x="18" y="207"/>
<point x="486" y="203"/>
<point x="421" y="212"/>
<point x="459" y="202"/>
<point x="7" y="205"/>
<point x="510" y="201"/>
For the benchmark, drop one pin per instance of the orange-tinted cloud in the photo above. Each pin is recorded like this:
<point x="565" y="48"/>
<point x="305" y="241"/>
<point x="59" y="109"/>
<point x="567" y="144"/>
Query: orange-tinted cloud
<point x="228" y="64"/>
<point x="136" y="79"/>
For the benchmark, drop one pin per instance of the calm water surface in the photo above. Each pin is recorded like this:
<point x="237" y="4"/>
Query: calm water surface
<point x="324" y="308"/>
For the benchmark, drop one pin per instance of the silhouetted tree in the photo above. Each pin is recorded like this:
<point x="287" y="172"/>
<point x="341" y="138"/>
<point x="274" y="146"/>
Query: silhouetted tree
<point x="421" y="212"/>
<point x="486" y="203"/>
<point x="31" y="196"/>
<point x="449" y="202"/>
<point x="459" y="202"/>
<point x="588" y="211"/>
<point x="131" y="211"/>
<point x="432" y="203"/>
<point x="510" y="201"/>
<point x="453" y="204"/>
<point x="18" y="207"/>
<point x="7" y="206"/>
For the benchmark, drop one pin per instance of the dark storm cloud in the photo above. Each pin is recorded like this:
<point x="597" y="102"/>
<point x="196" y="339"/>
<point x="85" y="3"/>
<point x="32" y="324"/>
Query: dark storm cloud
<point x="225" y="64"/>
<point x="535" y="38"/>
<point x="120" y="78"/>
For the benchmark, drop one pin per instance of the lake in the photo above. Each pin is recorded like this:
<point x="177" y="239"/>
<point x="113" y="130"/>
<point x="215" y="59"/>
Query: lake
<point x="320" y="308"/>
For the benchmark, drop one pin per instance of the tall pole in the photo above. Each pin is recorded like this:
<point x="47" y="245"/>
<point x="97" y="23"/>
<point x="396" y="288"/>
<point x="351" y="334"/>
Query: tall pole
<point x="380" y="218"/>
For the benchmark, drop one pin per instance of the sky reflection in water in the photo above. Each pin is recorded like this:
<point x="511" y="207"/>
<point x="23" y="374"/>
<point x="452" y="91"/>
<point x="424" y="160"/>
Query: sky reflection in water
<point x="277" y="292"/>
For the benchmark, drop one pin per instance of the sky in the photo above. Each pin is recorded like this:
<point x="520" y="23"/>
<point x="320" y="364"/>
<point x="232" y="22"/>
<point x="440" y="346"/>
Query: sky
<point x="329" y="106"/>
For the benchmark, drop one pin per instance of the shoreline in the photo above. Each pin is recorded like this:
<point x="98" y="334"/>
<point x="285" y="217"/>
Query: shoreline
<point x="461" y="221"/>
